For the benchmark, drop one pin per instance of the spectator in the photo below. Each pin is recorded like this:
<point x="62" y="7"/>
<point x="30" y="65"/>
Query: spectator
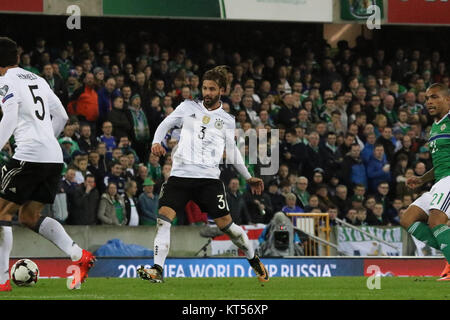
<point x="333" y="157"/>
<point x="332" y="215"/>
<point x="290" y="206"/>
<point x="361" y="217"/>
<point x="86" y="142"/>
<point x="108" y="139"/>
<point x="140" y="134"/>
<point x="132" y="209"/>
<point x="148" y="202"/>
<point x="312" y="204"/>
<point x="106" y="95"/>
<point x="301" y="191"/>
<point x="111" y="209"/>
<point x="236" y="203"/>
<point x="324" y="199"/>
<point x="341" y="200"/>
<point x="154" y="167"/>
<point x="114" y="176"/>
<point x="84" y="102"/>
<point x="378" y="168"/>
<point x="276" y="198"/>
<point x="259" y="207"/>
<point x="314" y="156"/>
<point x="82" y="202"/>
<point x="292" y="151"/>
<point x="377" y="217"/>
<point x="140" y="177"/>
<point x="351" y="217"/>
<point x="55" y="82"/>
<point x="386" y="140"/>
<point x="97" y="168"/>
<point x="353" y="170"/>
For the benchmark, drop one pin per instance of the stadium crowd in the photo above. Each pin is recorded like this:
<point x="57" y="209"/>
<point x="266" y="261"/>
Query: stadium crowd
<point x="352" y="127"/>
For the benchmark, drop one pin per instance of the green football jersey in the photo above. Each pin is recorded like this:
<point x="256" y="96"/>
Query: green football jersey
<point x="439" y="144"/>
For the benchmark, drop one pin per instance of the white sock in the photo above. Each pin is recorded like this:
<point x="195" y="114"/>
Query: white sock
<point x="161" y="244"/>
<point x="53" y="231"/>
<point x="240" y="239"/>
<point x="6" y="242"/>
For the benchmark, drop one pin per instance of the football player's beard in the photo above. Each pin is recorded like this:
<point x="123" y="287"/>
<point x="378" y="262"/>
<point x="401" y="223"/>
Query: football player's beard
<point x="212" y="102"/>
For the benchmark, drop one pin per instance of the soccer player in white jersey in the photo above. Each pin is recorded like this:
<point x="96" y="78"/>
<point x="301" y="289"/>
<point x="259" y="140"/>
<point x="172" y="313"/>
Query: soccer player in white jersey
<point x="35" y="116"/>
<point x="207" y="130"/>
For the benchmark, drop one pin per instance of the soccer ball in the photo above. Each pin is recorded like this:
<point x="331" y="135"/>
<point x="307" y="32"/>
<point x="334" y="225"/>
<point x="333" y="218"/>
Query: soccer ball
<point x="24" y="273"/>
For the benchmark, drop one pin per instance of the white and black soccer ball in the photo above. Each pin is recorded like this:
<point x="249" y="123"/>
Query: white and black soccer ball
<point x="24" y="273"/>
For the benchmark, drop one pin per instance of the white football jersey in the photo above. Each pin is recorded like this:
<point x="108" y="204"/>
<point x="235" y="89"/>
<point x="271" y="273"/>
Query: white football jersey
<point x="34" y="133"/>
<point x="205" y="135"/>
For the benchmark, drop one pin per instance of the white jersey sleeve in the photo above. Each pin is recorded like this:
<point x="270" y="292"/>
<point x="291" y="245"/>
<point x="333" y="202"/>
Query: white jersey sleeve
<point x="10" y="109"/>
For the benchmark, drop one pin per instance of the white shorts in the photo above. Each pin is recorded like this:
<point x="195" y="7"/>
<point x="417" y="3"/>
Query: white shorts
<point x="437" y="198"/>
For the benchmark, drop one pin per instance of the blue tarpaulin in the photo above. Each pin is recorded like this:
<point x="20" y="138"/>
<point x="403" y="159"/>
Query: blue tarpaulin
<point x="117" y="248"/>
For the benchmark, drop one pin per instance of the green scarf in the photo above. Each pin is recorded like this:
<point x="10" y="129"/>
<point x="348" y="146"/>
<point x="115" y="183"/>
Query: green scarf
<point x="140" y="124"/>
<point x="119" y="211"/>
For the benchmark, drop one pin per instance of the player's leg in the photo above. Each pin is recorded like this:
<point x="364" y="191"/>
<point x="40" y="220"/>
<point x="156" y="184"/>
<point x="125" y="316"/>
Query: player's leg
<point x="47" y="177"/>
<point x="49" y="228"/>
<point x="174" y="195"/>
<point x="438" y="223"/>
<point x="52" y="230"/>
<point x="7" y="210"/>
<point x="211" y="198"/>
<point x="415" y="218"/>
<point x="239" y="237"/>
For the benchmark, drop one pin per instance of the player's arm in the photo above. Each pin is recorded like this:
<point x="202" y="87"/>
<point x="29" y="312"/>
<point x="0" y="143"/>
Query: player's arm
<point x="10" y="109"/>
<point x="173" y="120"/>
<point x="57" y="111"/>
<point x="233" y="156"/>
<point x="9" y="122"/>
<point x="415" y="182"/>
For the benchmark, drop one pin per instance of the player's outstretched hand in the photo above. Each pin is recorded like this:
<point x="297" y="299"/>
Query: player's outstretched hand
<point x="158" y="150"/>
<point x="414" y="182"/>
<point x="256" y="185"/>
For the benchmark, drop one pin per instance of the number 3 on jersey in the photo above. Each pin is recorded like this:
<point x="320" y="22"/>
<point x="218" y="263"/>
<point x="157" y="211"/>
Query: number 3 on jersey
<point x="201" y="135"/>
<point x="37" y="99"/>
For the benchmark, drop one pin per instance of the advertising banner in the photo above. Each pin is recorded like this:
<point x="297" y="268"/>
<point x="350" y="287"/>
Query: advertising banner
<point x="172" y="8"/>
<point x="207" y="267"/>
<point x="221" y="245"/>
<point x="22" y="6"/>
<point x="279" y="10"/>
<point x="399" y="267"/>
<point x="355" y="243"/>
<point x="359" y="9"/>
<point x="419" y="11"/>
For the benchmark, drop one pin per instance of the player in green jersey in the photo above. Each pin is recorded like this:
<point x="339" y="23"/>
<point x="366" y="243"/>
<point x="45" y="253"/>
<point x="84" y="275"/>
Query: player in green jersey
<point x="426" y="218"/>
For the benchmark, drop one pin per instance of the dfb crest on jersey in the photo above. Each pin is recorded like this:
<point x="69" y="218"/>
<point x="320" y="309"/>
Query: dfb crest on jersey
<point x="206" y="119"/>
<point x="218" y="124"/>
<point x="443" y="127"/>
<point x="4" y="90"/>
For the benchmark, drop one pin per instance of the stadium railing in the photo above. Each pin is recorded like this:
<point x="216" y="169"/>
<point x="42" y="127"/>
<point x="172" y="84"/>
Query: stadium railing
<point x="317" y="225"/>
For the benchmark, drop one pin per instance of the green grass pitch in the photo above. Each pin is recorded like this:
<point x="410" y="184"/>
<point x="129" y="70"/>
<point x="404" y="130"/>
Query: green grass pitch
<point x="341" y="288"/>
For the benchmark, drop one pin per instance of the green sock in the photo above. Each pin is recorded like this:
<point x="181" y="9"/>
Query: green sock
<point x="422" y="232"/>
<point x="442" y="235"/>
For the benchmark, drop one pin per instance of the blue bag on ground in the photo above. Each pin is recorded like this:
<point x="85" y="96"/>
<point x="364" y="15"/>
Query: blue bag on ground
<point x="117" y="248"/>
